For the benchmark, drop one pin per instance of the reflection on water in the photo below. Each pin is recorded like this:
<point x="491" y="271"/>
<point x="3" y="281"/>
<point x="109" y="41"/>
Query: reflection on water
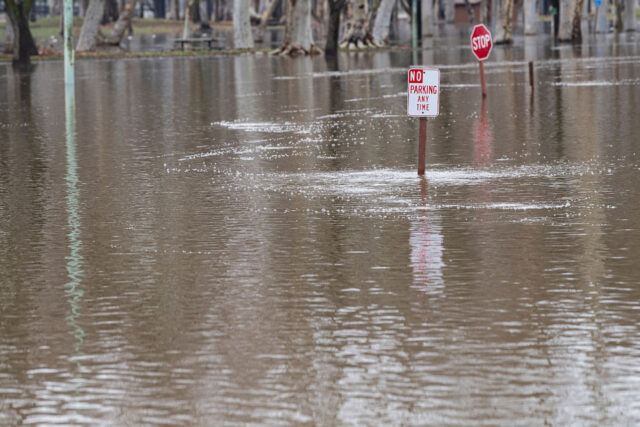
<point x="244" y="239"/>
<point x="426" y="248"/>
<point x="73" y="288"/>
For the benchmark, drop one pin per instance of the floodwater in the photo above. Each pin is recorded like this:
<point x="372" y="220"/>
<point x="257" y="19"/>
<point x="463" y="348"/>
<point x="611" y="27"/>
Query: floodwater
<point x="244" y="239"/>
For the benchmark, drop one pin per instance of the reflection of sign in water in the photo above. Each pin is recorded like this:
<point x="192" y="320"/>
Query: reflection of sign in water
<point x="426" y="252"/>
<point x="423" y="93"/>
<point x="482" y="138"/>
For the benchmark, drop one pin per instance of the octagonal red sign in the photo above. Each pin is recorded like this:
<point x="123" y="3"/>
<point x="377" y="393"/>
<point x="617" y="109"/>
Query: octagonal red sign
<point x="481" y="42"/>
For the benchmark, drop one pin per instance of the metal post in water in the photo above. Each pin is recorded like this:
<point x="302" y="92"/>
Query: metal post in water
<point x="69" y="62"/>
<point x="482" y="80"/>
<point x="422" y="146"/>
<point x="531" y="75"/>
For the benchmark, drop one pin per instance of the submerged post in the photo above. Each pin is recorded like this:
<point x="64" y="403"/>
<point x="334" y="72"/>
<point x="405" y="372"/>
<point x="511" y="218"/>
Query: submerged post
<point x="423" y="100"/>
<point x="69" y="74"/>
<point x="422" y="146"/>
<point x="483" y="83"/>
<point x="531" y="75"/>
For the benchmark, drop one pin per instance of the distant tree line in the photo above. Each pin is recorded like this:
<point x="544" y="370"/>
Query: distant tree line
<point x="346" y="23"/>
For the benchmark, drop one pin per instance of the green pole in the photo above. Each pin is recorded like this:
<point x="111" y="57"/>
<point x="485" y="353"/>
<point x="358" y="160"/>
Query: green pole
<point x="414" y="29"/>
<point x="69" y="78"/>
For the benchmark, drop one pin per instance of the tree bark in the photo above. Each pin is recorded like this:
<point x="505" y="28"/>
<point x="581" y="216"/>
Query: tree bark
<point x="124" y="21"/>
<point x="357" y="32"/>
<point x="242" y="37"/>
<point x="567" y="10"/>
<point x="333" y="30"/>
<point x="382" y="22"/>
<point x="618" y="15"/>
<point x="174" y="10"/>
<point x="630" y="15"/>
<point x="576" y="31"/>
<point x="88" y="39"/>
<point x="8" y="41"/>
<point x="110" y="11"/>
<point x="426" y="18"/>
<point x="264" y="18"/>
<point x="297" y="34"/>
<point x="504" y="17"/>
<point x="530" y="26"/>
<point x="194" y="11"/>
<point x="450" y="10"/>
<point x="23" y="45"/>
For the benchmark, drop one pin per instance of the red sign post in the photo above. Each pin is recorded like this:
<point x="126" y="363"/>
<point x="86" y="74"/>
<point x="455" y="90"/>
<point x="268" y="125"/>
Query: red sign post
<point x="423" y="100"/>
<point x="481" y="45"/>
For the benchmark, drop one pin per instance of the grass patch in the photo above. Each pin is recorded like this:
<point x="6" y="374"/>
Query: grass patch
<point x="45" y="28"/>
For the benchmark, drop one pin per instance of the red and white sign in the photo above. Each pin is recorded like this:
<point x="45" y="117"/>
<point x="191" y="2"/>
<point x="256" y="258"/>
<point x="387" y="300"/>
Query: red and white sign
<point x="481" y="42"/>
<point x="423" y="94"/>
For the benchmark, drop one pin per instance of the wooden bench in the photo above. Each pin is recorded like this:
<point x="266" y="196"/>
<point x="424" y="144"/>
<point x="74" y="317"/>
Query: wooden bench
<point x="196" y="42"/>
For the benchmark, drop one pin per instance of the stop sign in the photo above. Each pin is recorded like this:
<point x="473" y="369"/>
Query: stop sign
<point x="481" y="42"/>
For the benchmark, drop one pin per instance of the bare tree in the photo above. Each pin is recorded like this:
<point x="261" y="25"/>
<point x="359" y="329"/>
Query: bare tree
<point x="630" y="15"/>
<point x="383" y="22"/>
<point x="272" y="5"/>
<point x="504" y="16"/>
<point x="570" y="21"/>
<point x="333" y="30"/>
<point x="8" y="41"/>
<point x="124" y="21"/>
<point x="242" y="37"/>
<point x="297" y="33"/>
<point x="90" y="30"/>
<point x="357" y="32"/>
<point x="23" y="45"/>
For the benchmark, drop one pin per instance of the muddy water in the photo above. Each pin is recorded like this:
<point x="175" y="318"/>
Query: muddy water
<point x="244" y="239"/>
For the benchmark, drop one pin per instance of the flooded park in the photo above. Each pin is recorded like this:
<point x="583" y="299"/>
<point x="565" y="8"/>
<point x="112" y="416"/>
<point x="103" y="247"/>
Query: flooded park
<point x="244" y="239"/>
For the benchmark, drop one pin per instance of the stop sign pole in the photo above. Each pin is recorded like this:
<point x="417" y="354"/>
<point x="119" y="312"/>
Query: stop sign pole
<point x="481" y="45"/>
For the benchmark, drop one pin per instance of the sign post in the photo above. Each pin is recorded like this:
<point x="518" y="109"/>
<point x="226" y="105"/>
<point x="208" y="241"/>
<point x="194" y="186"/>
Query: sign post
<point x="423" y="100"/>
<point x="481" y="45"/>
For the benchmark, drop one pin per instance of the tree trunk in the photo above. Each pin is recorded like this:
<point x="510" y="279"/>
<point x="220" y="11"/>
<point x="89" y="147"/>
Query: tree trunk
<point x="264" y="18"/>
<point x="576" y="31"/>
<point x="124" y="21"/>
<point x="23" y="44"/>
<point x="8" y="44"/>
<point x="110" y="11"/>
<point x="242" y="37"/>
<point x="357" y="32"/>
<point x="333" y="30"/>
<point x="88" y="39"/>
<point x="630" y="15"/>
<point x="450" y="10"/>
<point x="297" y="34"/>
<point x="618" y="15"/>
<point x="194" y="11"/>
<point x="426" y="18"/>
<point x="84" y="5"/>
<point x="174" y="10"/>
<point x="530" y="26"/>
<point x="567" y="10"/>
<point x="383" y="22"/>
<point x="503" y="18"/>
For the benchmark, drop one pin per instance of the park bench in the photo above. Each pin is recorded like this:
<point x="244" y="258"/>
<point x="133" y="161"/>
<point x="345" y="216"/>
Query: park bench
<point x="196" y="43"/>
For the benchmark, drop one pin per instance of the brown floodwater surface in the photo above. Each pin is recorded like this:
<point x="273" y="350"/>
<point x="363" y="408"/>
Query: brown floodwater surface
<point x="245" y="239"/>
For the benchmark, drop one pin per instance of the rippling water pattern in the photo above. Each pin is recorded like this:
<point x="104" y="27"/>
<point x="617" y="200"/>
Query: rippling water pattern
<point x="244" y="239"/>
